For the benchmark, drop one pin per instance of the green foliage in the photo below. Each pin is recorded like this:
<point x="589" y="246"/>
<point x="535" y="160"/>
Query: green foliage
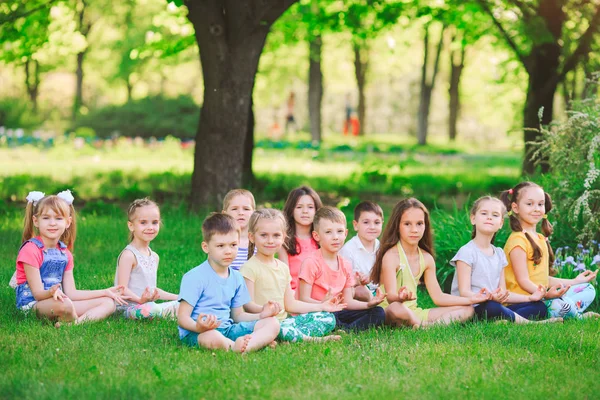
<point x="573" y="150"/>
<point x="16" y="113"/>
<point x="157" y="117"/>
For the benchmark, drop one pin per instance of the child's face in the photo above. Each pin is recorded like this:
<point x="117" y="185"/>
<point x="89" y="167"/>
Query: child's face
<point x="145" y="224"/>
<point x="50" y="224"/>
<point x="330" y="235"/>
<point x="369" y="225"/>
<point x="530" y="207"/>
<point x="222" y="248"/>
<point x="488" y="218"/>
<point x="412" y="226"/>
<point x="241" y="209"/>
<point x="305" y="210"/>
<point x="268" y="237"/>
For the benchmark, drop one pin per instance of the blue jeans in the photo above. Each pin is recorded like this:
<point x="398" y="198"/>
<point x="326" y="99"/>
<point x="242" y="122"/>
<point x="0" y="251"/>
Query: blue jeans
<point x="494" y="310"/>
<point x="359" y="320"/>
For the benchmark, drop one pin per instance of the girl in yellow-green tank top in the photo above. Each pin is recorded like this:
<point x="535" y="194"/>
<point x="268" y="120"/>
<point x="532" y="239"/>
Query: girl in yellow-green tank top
<point x="405" y="256"/>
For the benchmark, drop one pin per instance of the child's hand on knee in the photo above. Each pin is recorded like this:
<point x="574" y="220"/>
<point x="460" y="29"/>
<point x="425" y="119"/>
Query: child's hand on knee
<point x="405" y="295"/>
<point x="538" y="294"/>
<point x="481" y="296"/>
<point x="149" y="295"/>
<point x="499" y="295"/>
<point x="377" y="299"/>
<point x="586" y="276"/>
<point x="57" y="294"/>
<point x="556" y="291"/>
<point x="207" y="322"/>
<point x="270" y="309"/>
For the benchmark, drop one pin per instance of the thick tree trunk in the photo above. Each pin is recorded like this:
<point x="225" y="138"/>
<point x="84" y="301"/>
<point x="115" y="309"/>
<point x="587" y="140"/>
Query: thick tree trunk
<point x="543" y="80"/>
<point x="457" y="64"/>
<point x="427" y="87"/>
<point x="315" y="88"/>
<point x="248" y="174"/>
<point x="230" y="36"/>
<point x="32" y="82"/>
<point x="361" y="65"/>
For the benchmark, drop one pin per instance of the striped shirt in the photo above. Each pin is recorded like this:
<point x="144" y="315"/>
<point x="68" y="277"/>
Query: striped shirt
<point x="240" y="259"/>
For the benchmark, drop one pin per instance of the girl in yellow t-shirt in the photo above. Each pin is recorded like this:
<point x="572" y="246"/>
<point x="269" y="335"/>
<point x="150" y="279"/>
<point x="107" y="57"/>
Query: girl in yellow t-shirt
<point x="268" y="280"/>
<point x="404" y="256"/>
<point x="530" y="257"/>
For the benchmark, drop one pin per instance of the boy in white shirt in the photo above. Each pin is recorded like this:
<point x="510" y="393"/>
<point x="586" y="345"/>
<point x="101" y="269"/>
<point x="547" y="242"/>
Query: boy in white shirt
<point x="361" y="250"/>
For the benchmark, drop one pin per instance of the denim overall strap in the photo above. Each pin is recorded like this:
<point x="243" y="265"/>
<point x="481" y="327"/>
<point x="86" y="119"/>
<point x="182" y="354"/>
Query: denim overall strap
<point x="53" y="266"/>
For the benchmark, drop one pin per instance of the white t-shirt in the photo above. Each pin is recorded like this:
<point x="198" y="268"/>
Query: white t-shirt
<point x="485" y="270"/>
<point x="361" y="259"/>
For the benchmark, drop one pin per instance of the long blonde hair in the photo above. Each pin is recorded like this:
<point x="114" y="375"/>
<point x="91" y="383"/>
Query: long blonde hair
<point x="269" y="214"/>
<point x="60" y="207"/>
<point x="476" y="206"/>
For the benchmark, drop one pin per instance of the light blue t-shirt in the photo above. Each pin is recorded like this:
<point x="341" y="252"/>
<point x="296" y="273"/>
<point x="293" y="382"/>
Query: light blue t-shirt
<point x="210" y="294"/>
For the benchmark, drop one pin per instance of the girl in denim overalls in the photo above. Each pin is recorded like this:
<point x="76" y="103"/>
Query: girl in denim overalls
<point x="137" y="266"/>
<point x="44" y="270"/>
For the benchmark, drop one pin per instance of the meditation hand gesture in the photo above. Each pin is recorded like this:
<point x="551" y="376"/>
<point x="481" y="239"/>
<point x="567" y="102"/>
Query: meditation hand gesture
<point x="56" y="293"/>
<point x="115" y="293"/>
<point x="270" y="309"/>
<point x="499" y="295"/>
<point x="538" y="294"/>
<point x="377" y="299"/>
<point x="481" y="296"/>
<point x="586" y="276"/>
<point x="328" y="296"/>
<point x="149" y="295"/>
<point x="361" y="279"/>
<point x="207" y="322"/>
<point x="405" y="295"/>
<point x="334" y="304"/>
<point x="556" y="291"/>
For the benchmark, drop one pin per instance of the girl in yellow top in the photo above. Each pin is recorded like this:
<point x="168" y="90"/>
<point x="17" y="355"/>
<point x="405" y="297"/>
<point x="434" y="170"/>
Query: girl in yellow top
<point x="406" y="255"/>
<point x="530" y="257"/>
<point x="268" y="281"/>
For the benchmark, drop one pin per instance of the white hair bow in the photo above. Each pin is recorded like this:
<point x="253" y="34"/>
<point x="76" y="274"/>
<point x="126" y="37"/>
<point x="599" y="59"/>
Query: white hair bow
<point x="34" y="197"/>
<point x="66" y="196"/>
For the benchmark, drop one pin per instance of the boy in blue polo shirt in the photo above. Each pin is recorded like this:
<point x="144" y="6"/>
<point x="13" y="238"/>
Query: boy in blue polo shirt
<point x="212" y="296"/>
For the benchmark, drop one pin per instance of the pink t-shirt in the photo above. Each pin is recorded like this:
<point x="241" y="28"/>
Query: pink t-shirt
<point x="317" y="273"/>
<point x="307" y="247"/>
<point x="34" y="256"/>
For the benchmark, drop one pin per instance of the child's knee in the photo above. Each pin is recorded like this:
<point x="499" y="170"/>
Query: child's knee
<point x="270" y="324"/>
<point x="108" y="304"/>
<point x="66" y="310"/>
<point x="468" y="311"/>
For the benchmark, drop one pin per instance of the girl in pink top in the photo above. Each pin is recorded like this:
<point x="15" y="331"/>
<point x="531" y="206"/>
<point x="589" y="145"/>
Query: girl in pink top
<point x="44" y="268"/>
<point x="299" y="209"/>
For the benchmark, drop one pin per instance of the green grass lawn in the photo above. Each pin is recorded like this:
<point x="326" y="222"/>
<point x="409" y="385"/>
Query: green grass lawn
<point x="129" y="359"/>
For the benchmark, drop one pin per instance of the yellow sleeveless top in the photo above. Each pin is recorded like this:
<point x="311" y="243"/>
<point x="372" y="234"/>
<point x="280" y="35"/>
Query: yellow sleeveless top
<point x="405" y="277"/>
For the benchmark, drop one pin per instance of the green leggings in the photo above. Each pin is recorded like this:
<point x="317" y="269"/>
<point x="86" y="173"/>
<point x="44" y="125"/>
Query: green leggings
<point x="300" y="327"/>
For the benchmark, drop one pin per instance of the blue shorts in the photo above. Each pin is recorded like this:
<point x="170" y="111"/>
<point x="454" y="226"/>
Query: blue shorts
<point x="231" y="332"/>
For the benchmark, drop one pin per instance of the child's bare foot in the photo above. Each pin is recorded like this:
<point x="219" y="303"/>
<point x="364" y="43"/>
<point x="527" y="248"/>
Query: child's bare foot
<point x="590" y="314"/>
<point x="241" y="343"/>
<point x="57" y="325"/>
<point x="273" y="344"/>
<point x="501" y="321"/>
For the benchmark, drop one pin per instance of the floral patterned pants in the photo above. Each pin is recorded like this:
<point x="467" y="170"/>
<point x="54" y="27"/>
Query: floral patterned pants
<point x="298" y="328"/>
<point x="167" y="309"/>
<point x="573" y="303"/>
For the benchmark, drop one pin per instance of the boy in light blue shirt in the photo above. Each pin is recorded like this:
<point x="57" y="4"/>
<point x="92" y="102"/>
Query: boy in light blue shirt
<point x="212" y="297"/>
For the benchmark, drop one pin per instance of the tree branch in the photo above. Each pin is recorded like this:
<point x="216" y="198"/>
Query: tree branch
<point x="509" y="40"/>
<point x="12" y="17"/>
<point x="583" y="48"/>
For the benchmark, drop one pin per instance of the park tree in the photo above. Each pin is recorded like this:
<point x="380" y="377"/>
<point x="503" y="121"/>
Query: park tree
<point x="550" y="38"/>
<point x="230" y="37"/>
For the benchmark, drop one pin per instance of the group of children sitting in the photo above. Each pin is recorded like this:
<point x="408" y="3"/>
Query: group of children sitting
<point x="244" y="298"/>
